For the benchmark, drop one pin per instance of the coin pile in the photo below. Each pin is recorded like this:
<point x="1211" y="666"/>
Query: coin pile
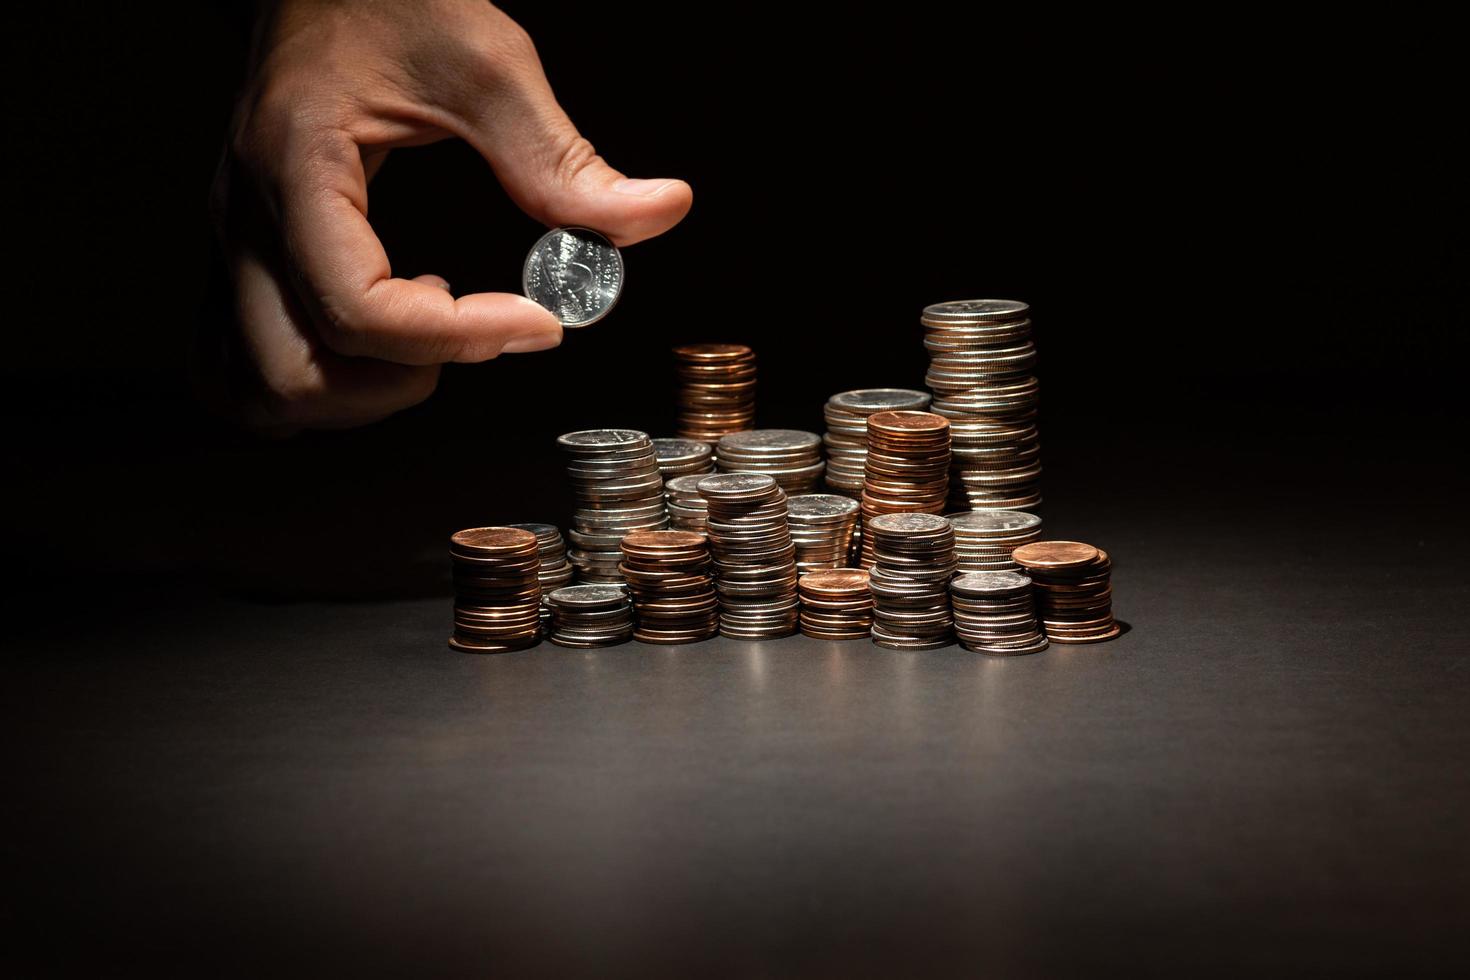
<point x="981" y="357"/>
<point x="754" y="558"/>
<point x="668" y="573"/>
<point x="614" y="474"/>
<point x="846" y="440"/>
<point x="984" y="539"/>
<point x="497" y="595"/>
<point x="793" y="457"/>
<point x="821" y="528"/>
<point x="687" y="509"/>
<point x="716" y="390"/>
<point x="994" y="613"/>
<point x="836" y="604"/>
<point x="1073" y="589"/>
<point x="677" y="457"/>
<point x="914" y="561"/>
<point x="556" y="571"/>
<point x="907" y="469"/>
<point x="590" y="616"/>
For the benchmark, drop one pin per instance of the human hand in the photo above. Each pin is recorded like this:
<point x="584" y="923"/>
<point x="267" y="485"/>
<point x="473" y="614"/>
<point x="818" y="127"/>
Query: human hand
<point x="325" y="336"/>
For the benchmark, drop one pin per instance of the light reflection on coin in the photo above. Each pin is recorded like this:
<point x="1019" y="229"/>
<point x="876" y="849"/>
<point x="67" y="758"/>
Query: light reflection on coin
<point x="575" y="273"/>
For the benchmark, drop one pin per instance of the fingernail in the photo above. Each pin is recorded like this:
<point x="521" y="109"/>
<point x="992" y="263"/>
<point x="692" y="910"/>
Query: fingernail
<point x="641" y="188"/>
<point x="445" y="286"/>
<point x="533" y="341"/>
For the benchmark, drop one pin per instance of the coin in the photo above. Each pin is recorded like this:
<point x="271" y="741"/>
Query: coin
<point x="680" y="457"/>
<point x="822" y="526"/>
<point x="1054" y="556"/>
<point x="575" y="273"/>
<point x="792" y="457"/>
<point x="913" y="561"/>
<point x="497" y="589"/>
<point x="588" y="616"/>
<point x="984" y="539"/>
<point x="668" y="576"/>
<point x="846" y="440"/>
<point x="836" y="604"/>
<point x="716" y="390"/>
<point x="614" y="475"/>
<point x="556" y="571"/>
<point x="754" y="556"/>
<point x="906" y="469"/>
<point x="1072" y="584"/>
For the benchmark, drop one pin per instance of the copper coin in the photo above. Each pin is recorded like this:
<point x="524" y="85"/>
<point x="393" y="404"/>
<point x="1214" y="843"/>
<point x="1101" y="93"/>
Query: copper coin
<point x="1052" y="555"/>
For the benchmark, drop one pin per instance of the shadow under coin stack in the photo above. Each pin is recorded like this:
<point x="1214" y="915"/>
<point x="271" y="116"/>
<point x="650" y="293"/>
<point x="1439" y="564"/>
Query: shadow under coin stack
<point x="995" y="613"/>
<point x="981" y="358"/>
<point x="984" y="539"/>
<point x="678" y="457"/>
<point x="836" y="604"/>
<point x="497" y="595"/>
<point x="614" y="474"/>
<point x="846" y="440"/>
<point x="821" y="528"/>
<point x="907" y="469"/>
<point x="716" y="390"/>
<point x="587" y="616"/>
<point x="687" y="509"/>
<point x="1073" y="589"/>
<point x="914" y="561"/>
<point x="668" y="573"/>
<point x="754" y="558"/>
<point x="556" y="571"/>
<point x="793" y="457"/>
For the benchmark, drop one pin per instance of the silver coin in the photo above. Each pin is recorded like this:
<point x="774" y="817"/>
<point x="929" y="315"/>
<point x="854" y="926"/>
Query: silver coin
<point x="680" y="450"/>
<point x="993" y="520"/>
<point x="593" y="439"/>
<point x="908" y="523"/>
<point x="983" y="583"/>
<point x="873" y="400"/>
<point x="977" y="311"/>
<point x="736" y="484"/>
<point x="575" y="273"/>
<point x="763" y="441"/>
<point x="816" y="505"/>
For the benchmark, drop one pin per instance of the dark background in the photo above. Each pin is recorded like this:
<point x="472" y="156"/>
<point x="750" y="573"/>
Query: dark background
<point x="1243" y="241"/>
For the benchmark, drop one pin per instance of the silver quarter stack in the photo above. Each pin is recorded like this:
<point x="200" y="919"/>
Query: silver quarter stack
<point x="678" y="457"/>
<point x="590" y="616"/>
<point x="822" y="526"/>
<point x="913" y="563"/>
<point x="556" y="571"/>
<point x="994" y="612"/>
<point x="615" y="477"/>
<point x="754" y="558"/>
<point x="984" y="539"/>
<point x="793" y="457"/>
<point x="687" y="509"/>
<point x="846" y="440"/>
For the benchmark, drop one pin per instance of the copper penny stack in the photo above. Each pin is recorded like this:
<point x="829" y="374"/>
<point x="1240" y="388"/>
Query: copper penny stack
<point x="614" y="474"/>
<point x="984" y="539"/>
<point x="994" y="612"/>
<point x="914" y="561"/>
<point x="668" y="574"/>
<point x="589" y="616"/>
<point x="981" y="358"/>
<point x="754" y="557"/>
<point x="497" y="594"/>
<point x="1073" y="589"/>
<point x="836" y="604"/>
<point x="821" y="528"/>
<point x="687" y="509"/>
<point x="793" y="457"/>
<point x="846" y="440"/>
<point x="907" y="469"/>
<point x="556" y="571"/>
<point x="679" y="457"/>
<point x="716" y="390"/>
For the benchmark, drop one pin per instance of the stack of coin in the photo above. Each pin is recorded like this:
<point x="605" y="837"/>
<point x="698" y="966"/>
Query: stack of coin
<point x="994" y="613"/>
<point x="590" y="616"/>
<point x="821" y="528"/>
<point x="755" y="560"/>
<point x="846" y="440"/>
<point x="793" y="457"/>
<point x="1073" y="589"/>
<point x="836" y="604"/>
<point x="668" y="573"/>
<point x="677" y="457"/>
<point x="984" y="539"/>
<point x="907" y="469"/>
<point x="981" y="357"/>
<point x="914" y="561"/>
<point x="716" y="390"/>
<point x="556" y="571"/>
<point x="614" y="474"/>
<point x="497" y="595"/>
<point x="687" y="509"/>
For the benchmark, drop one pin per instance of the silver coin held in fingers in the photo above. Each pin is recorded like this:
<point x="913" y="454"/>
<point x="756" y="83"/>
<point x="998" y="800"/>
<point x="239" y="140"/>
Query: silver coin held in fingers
<point x="575" y="273"/>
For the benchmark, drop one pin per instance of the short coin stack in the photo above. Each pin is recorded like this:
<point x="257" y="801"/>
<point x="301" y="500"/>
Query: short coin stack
<point x="821" y="528"/>
<point x="1073" y="589"/>
<point x="980" y="372"/>
<point x="755" y="560"/>
<point x="668" y="573"/>
<point x="793" y="457"/>
<point x="687" y="509"/>
<point x="914" y="561"/>
<point x="614" y="474"/>
<point x="716" y="390"/>
<point x="994" y="613"/>
<point x="556" y="571"/>
<point x="984" y="539"/>
<point x="907" y="469"/>
<point x="497" y="595"/>
<point x="590" y="616"/>
<point x="846" y="440"/>
<point x="836" y="604"/>
<point x="677" y="457"/>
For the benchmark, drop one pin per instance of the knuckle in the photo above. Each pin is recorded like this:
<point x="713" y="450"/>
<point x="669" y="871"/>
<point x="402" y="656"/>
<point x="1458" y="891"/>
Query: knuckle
<point x="577" y="155"/>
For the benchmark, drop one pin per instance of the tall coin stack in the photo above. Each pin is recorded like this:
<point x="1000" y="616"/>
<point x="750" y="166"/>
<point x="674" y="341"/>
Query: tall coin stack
<point x="755" y="560"/>
<point x="556" y="571"/>
<point x="497" y="595"/>
<point x="668" y="573"/>
<point x="981" y="358"/>
<point x="793" y="457"/>
<point x="836" y="604"/>
<point x="716" y="390"/>
<point x="846" y="440"/>
<point x="994" y="613"/>
<point x="907" y="469"/>
<point x="614" y="474"/>
<point x="984" y="539"/>
<point x="677" y="457"/>
<point x="590" y="616"/>
<point x="914" y="561"/>
<point x="1072" y="583"/>
<point x="821" y="528"/>
<point x="687" y="509"/>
